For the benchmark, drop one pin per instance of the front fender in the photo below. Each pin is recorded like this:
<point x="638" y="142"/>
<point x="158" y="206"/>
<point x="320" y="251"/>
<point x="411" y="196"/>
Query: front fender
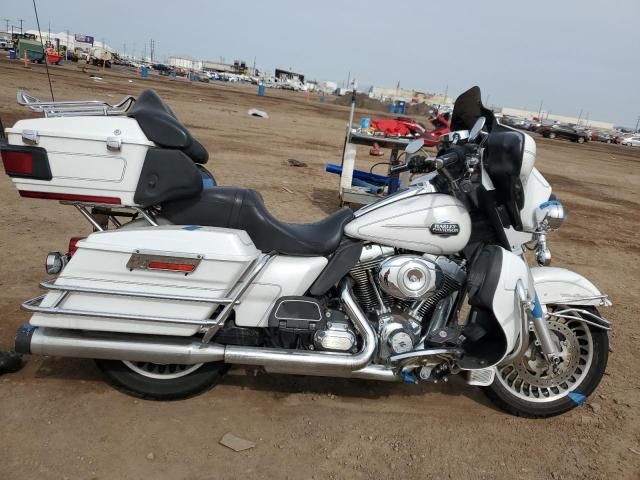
<point x="565" y="287"/>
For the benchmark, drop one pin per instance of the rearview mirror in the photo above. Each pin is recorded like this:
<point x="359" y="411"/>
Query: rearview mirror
<point x="477" y="128"/>
<point x="414" y="146"/>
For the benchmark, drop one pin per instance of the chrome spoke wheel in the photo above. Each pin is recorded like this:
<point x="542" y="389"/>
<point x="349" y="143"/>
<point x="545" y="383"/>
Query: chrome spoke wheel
<point x="531" y="377"/>
<point x="162" y="371"/>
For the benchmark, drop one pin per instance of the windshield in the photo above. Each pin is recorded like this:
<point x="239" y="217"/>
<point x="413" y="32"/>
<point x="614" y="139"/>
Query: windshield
<point x="468" y="108"/>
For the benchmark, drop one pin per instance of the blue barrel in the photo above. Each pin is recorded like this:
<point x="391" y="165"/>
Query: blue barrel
<point x="400" y="105"/>
<point x="173" y="74"/>
<point x="144" y="72"/>
<point x="12" y="54"/>
<point x="322" y="99"/>
<point x="365" y="123"/>
<point x="392" y="107"/>
<point x="261" y="90"/>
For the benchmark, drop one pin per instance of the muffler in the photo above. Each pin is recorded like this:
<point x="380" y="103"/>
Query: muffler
<point x="115" y="346"/>
<point x="187" y="351"/>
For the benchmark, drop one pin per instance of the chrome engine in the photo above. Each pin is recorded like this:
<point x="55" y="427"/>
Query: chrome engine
<point x="408" y="296"/>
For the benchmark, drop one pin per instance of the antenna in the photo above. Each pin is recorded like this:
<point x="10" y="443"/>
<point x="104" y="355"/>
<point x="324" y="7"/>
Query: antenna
<point x="46" y="63"/>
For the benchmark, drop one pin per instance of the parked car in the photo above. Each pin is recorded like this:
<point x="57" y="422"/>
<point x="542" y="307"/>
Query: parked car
<point x="564" y="131"/>
<point x="632" y="141"/>
<point x="603" y="137"/>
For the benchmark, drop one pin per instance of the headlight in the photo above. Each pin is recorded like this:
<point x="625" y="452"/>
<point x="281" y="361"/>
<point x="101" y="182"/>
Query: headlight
<point x="549" y="216"/>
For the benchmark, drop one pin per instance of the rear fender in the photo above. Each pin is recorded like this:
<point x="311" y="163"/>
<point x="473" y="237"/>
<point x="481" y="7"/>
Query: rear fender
<point x="564" y="287"/>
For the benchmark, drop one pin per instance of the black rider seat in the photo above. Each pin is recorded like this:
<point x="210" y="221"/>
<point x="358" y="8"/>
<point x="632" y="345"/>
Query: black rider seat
<point x="244" y="209"/>
<point x="162" y="127"/>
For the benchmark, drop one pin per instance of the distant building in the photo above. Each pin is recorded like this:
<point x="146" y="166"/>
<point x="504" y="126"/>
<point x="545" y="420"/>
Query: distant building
<point x="184" y="61"/>
<point x="284" y="75"/>
<point x="238" y="67"/>
<point x="67" y="40"/>
<point x="521" y="113"/>
<point x="384" y="94"/>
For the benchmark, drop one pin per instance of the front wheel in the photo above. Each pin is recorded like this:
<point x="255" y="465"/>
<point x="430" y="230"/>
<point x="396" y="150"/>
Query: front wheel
<point x="162" y="382"/>
<point x="580" y="139"/>
<point x="529" y="387"/>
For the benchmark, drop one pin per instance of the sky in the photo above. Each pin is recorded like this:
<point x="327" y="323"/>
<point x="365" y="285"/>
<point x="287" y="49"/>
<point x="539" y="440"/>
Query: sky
<point x="570" y="55"/>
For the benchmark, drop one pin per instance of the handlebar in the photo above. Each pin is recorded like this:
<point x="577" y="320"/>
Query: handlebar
<point x="419" y="164"/>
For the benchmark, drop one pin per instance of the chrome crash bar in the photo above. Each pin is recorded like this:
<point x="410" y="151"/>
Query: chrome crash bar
<point x="209" y="326"/>
<point x="74" y="108"/>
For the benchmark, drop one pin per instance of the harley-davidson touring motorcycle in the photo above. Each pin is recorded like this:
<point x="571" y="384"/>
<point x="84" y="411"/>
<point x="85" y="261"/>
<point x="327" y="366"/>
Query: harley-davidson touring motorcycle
<point x="180" y="280"/>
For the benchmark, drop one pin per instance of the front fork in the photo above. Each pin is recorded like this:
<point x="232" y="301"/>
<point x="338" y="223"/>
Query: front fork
<point x="533" y="316"/>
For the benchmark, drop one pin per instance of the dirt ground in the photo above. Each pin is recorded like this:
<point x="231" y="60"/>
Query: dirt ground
<point x="60" y="420"/>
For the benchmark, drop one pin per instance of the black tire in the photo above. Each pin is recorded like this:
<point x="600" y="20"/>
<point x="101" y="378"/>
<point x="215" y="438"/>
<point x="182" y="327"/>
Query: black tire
<point x="580" y="140"/>
<point x="133" y="383"/>
<point x="552" y="135"/>
<point x="507" y="401"/>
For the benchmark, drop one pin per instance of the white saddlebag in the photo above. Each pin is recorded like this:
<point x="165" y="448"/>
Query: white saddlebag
<point x="144" y="261"/>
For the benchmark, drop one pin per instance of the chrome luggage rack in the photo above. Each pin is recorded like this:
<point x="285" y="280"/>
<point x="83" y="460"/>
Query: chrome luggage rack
<point x="75" y="108"/>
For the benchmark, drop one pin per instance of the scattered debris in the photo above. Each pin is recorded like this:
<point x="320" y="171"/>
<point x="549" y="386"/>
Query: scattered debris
<point x="296" y="163"/>
<point x="150" y="456"/>
<point x="96" y="78"/>
<point x="10" y="362"/>
<point x="130" y="81"/>
<point x="236" y="444"/>
<point x="257" y="113"/>
<point x="633" y="450"/>
<point x="288" y="190"/>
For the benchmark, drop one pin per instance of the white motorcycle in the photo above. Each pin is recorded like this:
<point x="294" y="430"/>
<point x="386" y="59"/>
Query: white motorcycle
<point x="179" y="281"/>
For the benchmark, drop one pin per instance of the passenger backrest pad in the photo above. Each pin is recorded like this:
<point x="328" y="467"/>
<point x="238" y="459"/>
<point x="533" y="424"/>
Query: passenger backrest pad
<point x="162" y="127"/>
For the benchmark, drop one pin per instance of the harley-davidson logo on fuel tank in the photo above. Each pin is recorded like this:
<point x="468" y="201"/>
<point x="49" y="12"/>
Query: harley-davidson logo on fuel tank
<point x="445" y="229"/>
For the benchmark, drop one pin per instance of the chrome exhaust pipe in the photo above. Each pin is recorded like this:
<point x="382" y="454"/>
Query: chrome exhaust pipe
<point x="312" y="363"/>
<point x="115" y="346"/>
<point x="187" y="351"/>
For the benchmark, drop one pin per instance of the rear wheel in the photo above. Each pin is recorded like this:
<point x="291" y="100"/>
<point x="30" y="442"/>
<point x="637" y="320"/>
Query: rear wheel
<point x="529" y="387"/>
<point x="580" y="139"/>
<point x="552" y="135"/>
<point x="162" y="382"/>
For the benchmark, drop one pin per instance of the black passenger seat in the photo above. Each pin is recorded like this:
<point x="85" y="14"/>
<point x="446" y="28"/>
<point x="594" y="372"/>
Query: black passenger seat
<point x="244" y="209"/>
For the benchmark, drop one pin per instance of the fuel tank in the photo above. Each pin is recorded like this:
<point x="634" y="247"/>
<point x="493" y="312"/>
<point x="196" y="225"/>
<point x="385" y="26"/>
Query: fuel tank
<point x="415" y="219"/>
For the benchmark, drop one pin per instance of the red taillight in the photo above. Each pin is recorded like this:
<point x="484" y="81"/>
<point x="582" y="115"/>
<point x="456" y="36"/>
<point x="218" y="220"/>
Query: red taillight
<point x="176" y="267"/>
<point x="17" y="163"/>
<point x="25" y="161"/>
<point x="73" y="245"/>
<point x="70" y="197"/>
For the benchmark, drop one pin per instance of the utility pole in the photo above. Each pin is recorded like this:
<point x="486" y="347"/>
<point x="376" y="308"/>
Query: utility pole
<point x="579" y="116"/>
<point x="144" y="53"/>
<point x="151" y="48"/>
<point x="637" y="124"/>
<point x="21" y="20"/>
<point x="446" y="91"/>
<point x="540" y="110"/>
<point x="66" y="50"/>
<point x="6" y="21"/>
